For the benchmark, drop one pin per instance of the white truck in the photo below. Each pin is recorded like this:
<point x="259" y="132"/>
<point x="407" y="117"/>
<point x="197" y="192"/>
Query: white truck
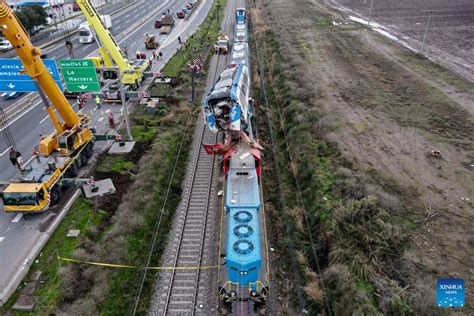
<point x="86" y="35"/>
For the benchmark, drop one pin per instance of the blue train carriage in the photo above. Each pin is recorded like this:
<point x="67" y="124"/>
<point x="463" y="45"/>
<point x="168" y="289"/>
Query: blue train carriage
<point x="243" y="266"/>
<point x="227" y="104"/>
<point x="241" y="15"/>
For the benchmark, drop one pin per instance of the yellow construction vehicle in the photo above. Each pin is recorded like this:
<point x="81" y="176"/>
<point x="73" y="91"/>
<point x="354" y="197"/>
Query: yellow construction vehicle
<point x="132" y="74"/>
<point x="62" y="152"/>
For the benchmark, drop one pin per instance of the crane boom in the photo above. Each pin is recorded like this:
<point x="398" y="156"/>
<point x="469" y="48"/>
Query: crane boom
<point x="104" y="35"/>
<point x="132" y="74"/>
<point x="31" y="60"/>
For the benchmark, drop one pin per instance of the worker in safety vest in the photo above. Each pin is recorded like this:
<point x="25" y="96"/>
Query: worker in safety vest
<point x="97" y="101"/>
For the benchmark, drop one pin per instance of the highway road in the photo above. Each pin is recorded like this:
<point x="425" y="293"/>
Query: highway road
<point x="18" y="235"/>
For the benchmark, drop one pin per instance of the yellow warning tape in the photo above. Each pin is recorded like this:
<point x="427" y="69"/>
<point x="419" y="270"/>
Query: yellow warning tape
<point x="125" y="266"/>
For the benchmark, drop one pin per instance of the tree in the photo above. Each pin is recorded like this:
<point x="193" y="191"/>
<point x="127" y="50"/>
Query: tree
<point x="31" y="16"/>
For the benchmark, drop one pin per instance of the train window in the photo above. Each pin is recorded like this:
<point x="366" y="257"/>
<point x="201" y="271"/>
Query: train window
<point x="242" y="173"/>
<point x="253" y="269"/>
<point x="234" y="268"/>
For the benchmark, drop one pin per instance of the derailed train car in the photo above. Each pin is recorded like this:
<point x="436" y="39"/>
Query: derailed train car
<point x="227" y="105"/>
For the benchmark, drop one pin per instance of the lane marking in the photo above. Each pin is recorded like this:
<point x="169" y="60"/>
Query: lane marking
<point x="46" y="117"/>
<point x="100" y="119"/>
<point x="2" y="238"/>
<point x="17" y="218"/>
<point x="6" y="150"/>
<point x="20" y="116"/>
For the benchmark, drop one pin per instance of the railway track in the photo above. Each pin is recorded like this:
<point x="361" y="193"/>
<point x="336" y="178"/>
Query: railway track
<point x="180" y="290"/>
<point x="184" y="291"/>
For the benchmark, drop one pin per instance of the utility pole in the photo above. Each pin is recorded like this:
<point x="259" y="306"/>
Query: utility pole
<point x="426" y="32"/>
<point x="370" y="11"/>
<point x="194" y="67"/>
<point x="124" y="105"/>
<point x="122" y="97"/>
<point x="193" y="72"/>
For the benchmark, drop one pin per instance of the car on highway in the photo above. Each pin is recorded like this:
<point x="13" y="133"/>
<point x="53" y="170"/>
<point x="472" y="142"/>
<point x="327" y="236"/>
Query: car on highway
<point x="76" y="7"/>
<point x="5" y="45"/>
<point x="189" y="6"/>
<point x="158" y="24"/>
<point x="180" y="15"/>
<point x="10" y="95"/>
<point x="185" y="11"/>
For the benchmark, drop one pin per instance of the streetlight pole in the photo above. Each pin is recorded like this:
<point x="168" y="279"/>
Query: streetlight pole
<point x="370" y="11"/>
<point x="426" y="32"/>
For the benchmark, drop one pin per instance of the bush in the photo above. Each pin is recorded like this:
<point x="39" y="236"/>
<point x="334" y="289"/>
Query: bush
<point x="363" y="237"/>
<point x="344" y="296"/>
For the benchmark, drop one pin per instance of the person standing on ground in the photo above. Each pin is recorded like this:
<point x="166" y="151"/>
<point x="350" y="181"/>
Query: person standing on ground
<point x="179" y="40"/>
<point x="153" y="55"/>
<point x="160" y="55"/>
<point x="111" y="120"/>
<point x="97" y="101"/>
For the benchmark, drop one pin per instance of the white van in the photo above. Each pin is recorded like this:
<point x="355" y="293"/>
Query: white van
<point x="85" y="32"/>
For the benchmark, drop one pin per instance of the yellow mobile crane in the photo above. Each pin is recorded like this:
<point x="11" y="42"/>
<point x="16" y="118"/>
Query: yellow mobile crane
<point x="60" y="153"/>
<point x="131" y="75"/>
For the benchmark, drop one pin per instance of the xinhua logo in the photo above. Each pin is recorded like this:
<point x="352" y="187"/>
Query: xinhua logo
<point x="450" y="292"/>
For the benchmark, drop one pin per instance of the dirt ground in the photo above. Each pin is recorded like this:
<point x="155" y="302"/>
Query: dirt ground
<point x="449" y="38"/>
<point x="386" y="109"/>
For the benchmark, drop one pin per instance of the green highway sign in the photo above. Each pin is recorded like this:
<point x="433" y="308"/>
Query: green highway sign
<point x="79" y="75"/>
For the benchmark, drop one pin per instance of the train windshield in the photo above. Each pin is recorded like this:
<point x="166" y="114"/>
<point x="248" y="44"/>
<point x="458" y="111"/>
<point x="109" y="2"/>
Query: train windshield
<point x="23" y="198"/>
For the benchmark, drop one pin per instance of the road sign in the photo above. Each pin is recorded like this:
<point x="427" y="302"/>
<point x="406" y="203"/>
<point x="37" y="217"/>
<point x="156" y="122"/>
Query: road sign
<point x="12" y="80"/>
<point x="79" y="75"/>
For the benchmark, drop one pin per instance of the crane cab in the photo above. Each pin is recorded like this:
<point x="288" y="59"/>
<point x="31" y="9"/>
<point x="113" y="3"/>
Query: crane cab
<point x="70" y="141"/>
<point x="25" y="197"/>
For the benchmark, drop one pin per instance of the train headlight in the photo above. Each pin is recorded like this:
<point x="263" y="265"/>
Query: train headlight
<point x="253" y="294"/>
<point x="244" y="272"/>
<point x="233" y="294"/>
